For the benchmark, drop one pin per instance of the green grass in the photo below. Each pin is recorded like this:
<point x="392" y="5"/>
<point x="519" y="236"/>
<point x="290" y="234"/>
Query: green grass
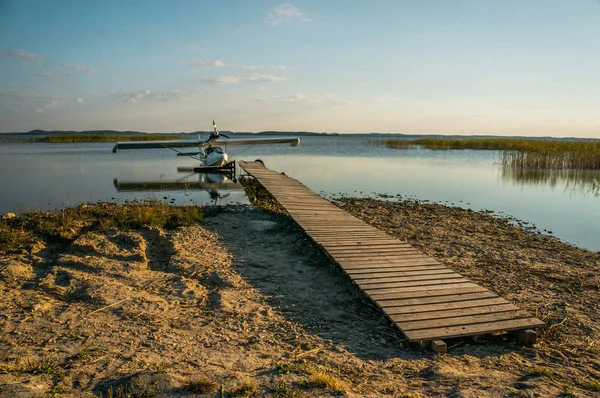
<point x="321" y="378"/>
<point x="592" y="385"/>
<point x="542" y="372"/>
<point x="51" y="227"/>
<point x="531" y="153"/>
<point x="245" y="390"/>
<point x="282" y="389"/>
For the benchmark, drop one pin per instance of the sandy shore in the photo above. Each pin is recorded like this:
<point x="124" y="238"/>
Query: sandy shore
<point x="244" y="304"/>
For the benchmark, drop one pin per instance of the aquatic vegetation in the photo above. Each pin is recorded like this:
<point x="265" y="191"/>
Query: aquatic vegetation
<point x="582" y="181"/>
<point x="106" y="138"/>
<point x="69" y="138"/>
<point x="520" y="152"/>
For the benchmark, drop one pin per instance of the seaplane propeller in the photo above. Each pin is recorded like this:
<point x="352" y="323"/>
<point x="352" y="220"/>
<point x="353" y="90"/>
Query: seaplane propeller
<point x="215" y="135"/>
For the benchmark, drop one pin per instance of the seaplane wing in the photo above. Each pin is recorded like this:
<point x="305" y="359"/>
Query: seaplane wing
<point x="293" y="141"/>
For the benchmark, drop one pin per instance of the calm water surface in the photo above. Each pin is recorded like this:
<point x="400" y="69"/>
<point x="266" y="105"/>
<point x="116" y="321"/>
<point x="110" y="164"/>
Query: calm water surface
<point x="49" y="176"/>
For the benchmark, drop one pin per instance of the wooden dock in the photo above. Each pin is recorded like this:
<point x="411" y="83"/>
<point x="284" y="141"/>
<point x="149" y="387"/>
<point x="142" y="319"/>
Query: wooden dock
<point x="426" y="300"/>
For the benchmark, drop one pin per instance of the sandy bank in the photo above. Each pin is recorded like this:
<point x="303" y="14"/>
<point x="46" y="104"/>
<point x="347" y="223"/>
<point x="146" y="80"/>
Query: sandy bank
<point x="244" y="304"/>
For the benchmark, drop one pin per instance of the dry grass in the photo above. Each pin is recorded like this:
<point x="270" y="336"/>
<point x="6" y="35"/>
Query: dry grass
<point x="34" y="227"/>
<point x="201" y="386"/>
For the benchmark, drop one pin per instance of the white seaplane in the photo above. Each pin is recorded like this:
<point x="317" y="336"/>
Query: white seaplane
<point x="210" y="152"/>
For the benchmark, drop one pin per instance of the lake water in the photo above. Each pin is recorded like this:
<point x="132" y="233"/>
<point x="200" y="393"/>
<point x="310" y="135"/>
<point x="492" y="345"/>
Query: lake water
<point x="39" y="176"/>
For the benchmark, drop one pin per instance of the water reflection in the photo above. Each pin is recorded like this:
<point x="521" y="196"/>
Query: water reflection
<point x="581" y="181"/>
<point x="212" y="183"/>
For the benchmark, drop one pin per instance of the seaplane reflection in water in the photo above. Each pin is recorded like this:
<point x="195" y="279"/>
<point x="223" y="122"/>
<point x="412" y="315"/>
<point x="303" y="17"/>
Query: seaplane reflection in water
<point x="212" y="183"/>
<point x="210" y="152"/>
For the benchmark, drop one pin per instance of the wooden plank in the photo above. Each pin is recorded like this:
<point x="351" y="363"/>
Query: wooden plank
<point x="426" y="293"/>
<point x="411" y="261"/>
<point x="413" y="289"/>
<point x="384" y="248"/>
<point x="407" y="278"/>
<point x="386" y="274"/>
<point x="447" y="313"/>
<point x="468" y="330"/>
<point x="437" y="282"/>
<point x="436" y="307"/>
<point x="463" y="320"/>
<point x="447" y="298"/>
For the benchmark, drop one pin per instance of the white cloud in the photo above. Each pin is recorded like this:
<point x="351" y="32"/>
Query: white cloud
<point x="49" y="105"/>
<point x="313" y="101"/>
<point x="134" y="96"/>
<point x="80" y="100"/>
<point x="216" y="63"/>
<point x="252" y="78"/>
<point x="24" y="56"/>
<point x="285" y="13"/>
<point x="77" y="67"/>
<point x="25" y="103"/>
<point x="52" y="75"/>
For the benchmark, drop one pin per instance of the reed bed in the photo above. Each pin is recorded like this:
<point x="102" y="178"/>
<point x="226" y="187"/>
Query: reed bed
<point x="60" y="138"/>
<point x="527" y="153"/>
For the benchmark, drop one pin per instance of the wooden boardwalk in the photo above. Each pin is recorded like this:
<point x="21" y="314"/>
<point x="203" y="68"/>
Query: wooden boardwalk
<point x="423" y="298"/>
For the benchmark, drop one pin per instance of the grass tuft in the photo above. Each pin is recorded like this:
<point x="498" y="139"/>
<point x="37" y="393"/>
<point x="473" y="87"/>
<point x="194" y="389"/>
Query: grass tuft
<point x="319" y="378"/>
<point x="247" y="389"/>
<point x="545" y="372"/>
<point x="283" y="389"/>
<point x="201" y="386"/>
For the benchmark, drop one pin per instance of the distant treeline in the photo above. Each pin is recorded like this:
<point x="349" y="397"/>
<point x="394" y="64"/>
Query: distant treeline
<point x="559" y="154"/>
<point x="59" y="138"/>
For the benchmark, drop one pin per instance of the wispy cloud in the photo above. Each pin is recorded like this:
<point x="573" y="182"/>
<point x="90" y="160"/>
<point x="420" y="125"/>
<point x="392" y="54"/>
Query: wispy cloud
<point x="286" y="13"/>
<point x="313" y="101"/>
<point x="76" y="67"/>
<point x="24" y="56"/>
<point x="134" y="96"/>
<point x="25" y="103"/>
<point x="216" y="63"/>
<point x="252" y="78"/>
<point x="47" y="106"/>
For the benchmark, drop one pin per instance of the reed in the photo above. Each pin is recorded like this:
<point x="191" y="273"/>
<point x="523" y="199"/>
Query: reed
<point x="395" y="144"/>
<point x="518" y="152"/>
<point x="65" y="138"/>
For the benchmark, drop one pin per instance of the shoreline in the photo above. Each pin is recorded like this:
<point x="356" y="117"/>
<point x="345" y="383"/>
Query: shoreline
<point x="244" y="302"/>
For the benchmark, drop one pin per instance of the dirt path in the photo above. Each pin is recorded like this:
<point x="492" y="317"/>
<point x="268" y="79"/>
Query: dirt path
<point x="245" y="305"/>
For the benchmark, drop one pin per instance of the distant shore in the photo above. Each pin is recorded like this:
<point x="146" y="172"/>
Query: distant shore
<point x="244" y="303"/>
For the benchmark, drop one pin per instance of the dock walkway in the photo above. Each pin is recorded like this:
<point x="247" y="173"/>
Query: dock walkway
<point x="426" y="300"/>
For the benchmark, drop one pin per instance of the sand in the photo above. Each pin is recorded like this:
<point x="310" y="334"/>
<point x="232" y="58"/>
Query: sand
<point x="244" y="304"/>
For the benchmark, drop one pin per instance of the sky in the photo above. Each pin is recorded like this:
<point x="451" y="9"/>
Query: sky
<point x="502" y="67"/>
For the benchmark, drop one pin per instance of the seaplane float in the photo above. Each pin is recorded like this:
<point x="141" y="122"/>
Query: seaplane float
<point x="210" y="152"/>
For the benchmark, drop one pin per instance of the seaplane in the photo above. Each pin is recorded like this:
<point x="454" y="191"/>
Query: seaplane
<point x="210" y="152"/>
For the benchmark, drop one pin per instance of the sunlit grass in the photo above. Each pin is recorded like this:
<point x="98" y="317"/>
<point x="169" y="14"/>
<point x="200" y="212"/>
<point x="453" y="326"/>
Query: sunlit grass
<point x="518" y="152"/>
<point x="62" y="226"/>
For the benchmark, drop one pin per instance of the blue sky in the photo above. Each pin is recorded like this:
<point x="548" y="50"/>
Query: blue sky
<point x="507" y="67"/>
